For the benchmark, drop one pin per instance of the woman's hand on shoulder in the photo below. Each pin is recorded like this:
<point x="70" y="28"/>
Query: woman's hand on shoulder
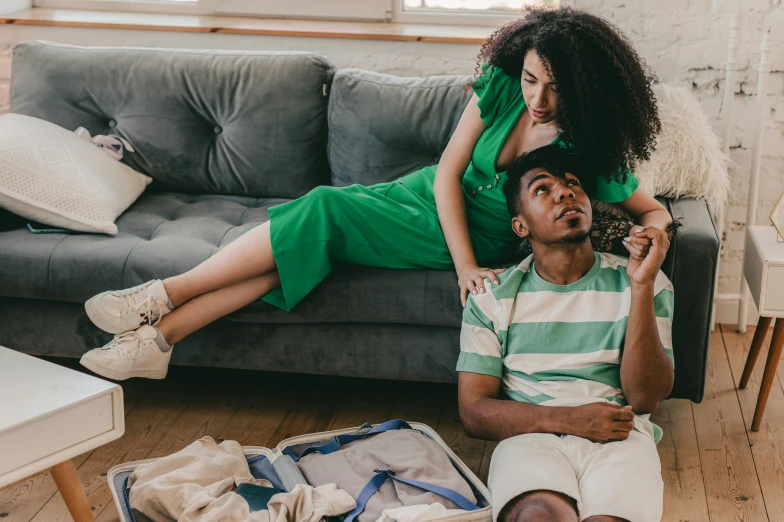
<point x="471" y="279"/>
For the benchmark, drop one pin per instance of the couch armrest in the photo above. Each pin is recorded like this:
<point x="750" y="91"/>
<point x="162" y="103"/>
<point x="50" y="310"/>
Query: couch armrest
<point x="691" y="266"/>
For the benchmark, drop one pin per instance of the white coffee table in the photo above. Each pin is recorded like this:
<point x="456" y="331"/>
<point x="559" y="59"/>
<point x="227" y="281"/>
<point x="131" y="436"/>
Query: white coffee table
<point x="50" y="414"/>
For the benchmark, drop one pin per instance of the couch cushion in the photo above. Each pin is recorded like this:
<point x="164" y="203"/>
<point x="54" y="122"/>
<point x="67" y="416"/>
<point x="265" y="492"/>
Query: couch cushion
<point x="382" y="127"/>
<point x="209" y="122"/>
<point x="165" y="234"/>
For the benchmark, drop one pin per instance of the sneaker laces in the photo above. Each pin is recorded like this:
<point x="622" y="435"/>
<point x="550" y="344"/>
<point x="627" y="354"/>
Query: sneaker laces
<point x="150" y="307"/>
<point x="128" y="344"/>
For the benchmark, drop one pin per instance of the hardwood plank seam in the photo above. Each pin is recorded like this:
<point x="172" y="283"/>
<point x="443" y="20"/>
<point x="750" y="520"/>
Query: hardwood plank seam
<point x="45" y="503"/>
<point x="240" y="404"/>
<point x="699" y="456"/>
<point x="271" y="438"/>
<point x="745" y="427"/>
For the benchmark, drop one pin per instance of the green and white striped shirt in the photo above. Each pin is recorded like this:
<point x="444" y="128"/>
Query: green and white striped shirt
<point x="558" y="344"/>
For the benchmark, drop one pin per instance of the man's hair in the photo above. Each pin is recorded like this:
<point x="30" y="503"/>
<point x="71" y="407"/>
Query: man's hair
<point x="553" y="158"/>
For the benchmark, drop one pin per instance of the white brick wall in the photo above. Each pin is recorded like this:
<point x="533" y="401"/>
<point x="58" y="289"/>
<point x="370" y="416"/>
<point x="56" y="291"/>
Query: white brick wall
<point x="684" y="42"/>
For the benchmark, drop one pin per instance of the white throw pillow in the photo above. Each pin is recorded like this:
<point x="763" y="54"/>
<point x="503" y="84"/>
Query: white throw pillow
<point x="50" y="175"/>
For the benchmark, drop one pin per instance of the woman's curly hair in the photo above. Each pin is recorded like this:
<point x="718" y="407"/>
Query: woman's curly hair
<point x="606" y="107"/>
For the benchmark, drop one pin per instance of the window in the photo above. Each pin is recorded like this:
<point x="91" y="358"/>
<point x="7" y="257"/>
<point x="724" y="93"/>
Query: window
<point x="455" y="12"/>
<point x="461" y="12"/>
<point x="470" y="6"/>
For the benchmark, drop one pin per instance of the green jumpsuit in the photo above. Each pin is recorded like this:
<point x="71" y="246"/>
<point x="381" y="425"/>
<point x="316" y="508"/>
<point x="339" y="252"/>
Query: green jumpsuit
<point x="395" y="224"/>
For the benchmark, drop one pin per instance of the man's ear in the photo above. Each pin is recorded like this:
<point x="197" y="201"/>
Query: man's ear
<point x="520" y="227"/>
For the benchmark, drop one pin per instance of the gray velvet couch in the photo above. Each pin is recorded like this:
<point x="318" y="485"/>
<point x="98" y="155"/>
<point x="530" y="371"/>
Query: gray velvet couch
<point x="227" y="135"/>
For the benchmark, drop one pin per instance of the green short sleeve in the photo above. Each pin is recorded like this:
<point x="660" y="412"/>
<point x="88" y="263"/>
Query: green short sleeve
<point x="497" y="92"/>
<point x="614" y="191"/>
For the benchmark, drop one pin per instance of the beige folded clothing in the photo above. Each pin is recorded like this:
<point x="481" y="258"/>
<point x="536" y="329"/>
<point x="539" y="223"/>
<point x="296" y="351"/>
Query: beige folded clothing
<point x="196" y="483"/>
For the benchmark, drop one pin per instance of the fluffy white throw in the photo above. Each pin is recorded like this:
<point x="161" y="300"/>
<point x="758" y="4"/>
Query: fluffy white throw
<point x="688" y="161"/>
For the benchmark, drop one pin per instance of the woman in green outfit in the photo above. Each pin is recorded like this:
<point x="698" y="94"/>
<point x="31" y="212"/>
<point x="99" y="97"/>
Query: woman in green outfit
<point x="555" y="76"/>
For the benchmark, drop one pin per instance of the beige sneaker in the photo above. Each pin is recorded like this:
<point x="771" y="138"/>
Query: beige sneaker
<point x="121" y="311"/>
<point x="131" y="354"/>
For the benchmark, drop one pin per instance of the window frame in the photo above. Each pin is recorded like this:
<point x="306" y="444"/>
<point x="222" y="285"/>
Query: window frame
<point x="342" y="10"/>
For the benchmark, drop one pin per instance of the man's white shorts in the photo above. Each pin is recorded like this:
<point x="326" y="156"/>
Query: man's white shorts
<point x="621" y="479"/>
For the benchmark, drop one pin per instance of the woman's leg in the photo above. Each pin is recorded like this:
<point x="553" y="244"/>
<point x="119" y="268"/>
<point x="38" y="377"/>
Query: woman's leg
<point x="245" y="258"/>
<point x="200" y="311"/>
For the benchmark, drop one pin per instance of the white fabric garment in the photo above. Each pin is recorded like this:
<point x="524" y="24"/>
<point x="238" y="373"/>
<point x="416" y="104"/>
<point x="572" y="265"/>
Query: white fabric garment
<point x="308" y="504"/>
<point x="196" y="483"/>
<point x="418" y="513"/>
<point x="621" y="479"/>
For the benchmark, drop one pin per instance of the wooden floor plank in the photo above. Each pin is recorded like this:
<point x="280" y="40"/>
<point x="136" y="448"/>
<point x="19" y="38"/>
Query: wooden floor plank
<point x="451" y="430"/>
<point x="260" y="414"/>
<point x="365" y="401"/>
<point x="422" y="403"/>
<point x="484" y="467"/>
<point x="684" y="490"/>
<point x="314" y="407"/>
<point x="208" y="410"/>
<point x="767" y="444"/>
<point x="731" y="485"/>
<point x="23" y="501"/>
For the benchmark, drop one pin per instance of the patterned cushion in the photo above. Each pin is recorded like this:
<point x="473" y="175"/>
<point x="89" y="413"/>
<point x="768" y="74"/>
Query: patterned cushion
<point x="49" y="174"/>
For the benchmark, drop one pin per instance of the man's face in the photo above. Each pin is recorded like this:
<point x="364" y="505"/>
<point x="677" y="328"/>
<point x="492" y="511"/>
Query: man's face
<point x="555" y="210"/>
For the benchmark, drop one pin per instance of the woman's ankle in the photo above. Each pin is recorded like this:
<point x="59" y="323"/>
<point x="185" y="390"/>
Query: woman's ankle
<point x="172" y="287"/>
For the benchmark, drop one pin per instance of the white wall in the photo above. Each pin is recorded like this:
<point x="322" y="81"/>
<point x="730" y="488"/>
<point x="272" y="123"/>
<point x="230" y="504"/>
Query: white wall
<point x="684" y="41"/>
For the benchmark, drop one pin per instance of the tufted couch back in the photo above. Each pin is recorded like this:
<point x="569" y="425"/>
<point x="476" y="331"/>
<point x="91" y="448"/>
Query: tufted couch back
<point x="382" y="127"/>
<point x="205" y="122"/>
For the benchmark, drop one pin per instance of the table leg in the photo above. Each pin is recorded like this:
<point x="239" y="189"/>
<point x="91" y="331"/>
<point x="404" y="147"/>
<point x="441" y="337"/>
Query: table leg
<point x="754" y="351"/>
<point x="776" y="344"/>
<point x="67" y="480"/>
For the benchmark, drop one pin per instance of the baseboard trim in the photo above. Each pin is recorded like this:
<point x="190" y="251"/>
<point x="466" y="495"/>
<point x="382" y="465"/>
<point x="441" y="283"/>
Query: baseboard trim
<point x="727" y="313"/>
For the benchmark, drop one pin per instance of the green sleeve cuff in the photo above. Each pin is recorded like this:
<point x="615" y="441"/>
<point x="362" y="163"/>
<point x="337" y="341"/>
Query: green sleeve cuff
<point x="485" y="364"/>
<point x="614" y="192"/>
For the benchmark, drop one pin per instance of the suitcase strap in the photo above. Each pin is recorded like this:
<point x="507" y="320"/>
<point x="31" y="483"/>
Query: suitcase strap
<point x="335" y="444"/>
<point x="383" y="474"/>
<point x="127" y="499"/>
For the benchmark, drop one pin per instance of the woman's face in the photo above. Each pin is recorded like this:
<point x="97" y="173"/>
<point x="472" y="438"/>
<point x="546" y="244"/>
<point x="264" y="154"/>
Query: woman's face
<point x="539" y="90"/>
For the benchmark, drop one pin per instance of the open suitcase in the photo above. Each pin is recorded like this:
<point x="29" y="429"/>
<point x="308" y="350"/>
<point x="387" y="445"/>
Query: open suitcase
<point x="118" y="475"/>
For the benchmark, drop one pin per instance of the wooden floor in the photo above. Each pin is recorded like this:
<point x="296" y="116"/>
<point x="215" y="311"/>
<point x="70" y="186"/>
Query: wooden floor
<point x="714" y="469"/>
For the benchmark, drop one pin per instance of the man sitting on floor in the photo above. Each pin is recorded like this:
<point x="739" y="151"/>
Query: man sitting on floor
<point x="580" y="342"/>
